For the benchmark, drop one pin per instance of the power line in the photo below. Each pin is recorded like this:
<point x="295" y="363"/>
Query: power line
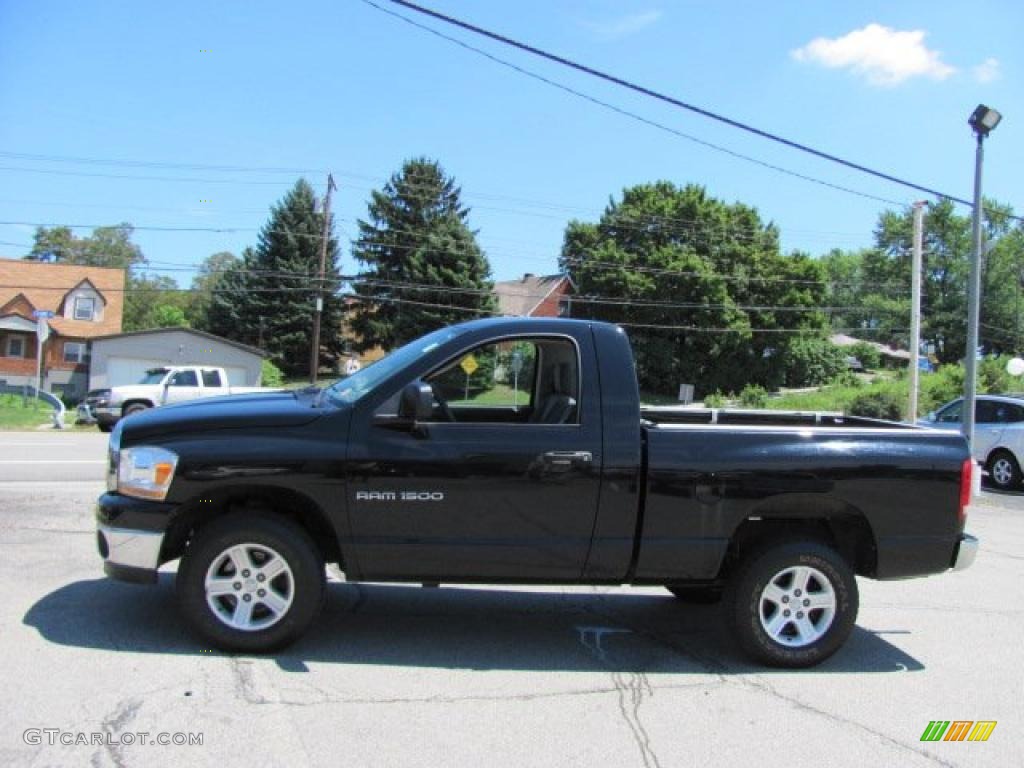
<point x="649" y="92"/>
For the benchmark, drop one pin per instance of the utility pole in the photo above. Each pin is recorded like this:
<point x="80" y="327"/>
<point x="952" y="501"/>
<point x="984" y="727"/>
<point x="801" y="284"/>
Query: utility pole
<point x="314" y="357"/>
<point x="915" y="307"/>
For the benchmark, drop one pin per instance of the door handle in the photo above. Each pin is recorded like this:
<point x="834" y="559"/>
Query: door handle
<point x="567" y="458"/>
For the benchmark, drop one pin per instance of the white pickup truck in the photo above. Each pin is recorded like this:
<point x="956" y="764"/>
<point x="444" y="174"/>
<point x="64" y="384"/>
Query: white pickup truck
<point x="160" y="386"/>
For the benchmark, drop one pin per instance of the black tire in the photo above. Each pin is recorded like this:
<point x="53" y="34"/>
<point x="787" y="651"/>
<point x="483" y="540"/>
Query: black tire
<point x="105" y="427"/>
<point x="702" y="595"/>
<point x="747" y="604"/>
<point x="284" y="538"/>
<point x="134" y="408"/>
<point x="1003" y="470"/>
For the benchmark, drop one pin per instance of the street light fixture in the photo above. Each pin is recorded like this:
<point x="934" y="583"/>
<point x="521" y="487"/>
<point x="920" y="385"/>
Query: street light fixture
<point x="982" y="121"/>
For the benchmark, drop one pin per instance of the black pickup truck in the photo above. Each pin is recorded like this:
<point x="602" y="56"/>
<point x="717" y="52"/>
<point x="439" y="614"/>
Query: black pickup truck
<point x="516" y="450"/>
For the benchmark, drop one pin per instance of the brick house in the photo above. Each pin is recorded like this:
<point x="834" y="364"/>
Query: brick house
<point x="535" y="296"/>
<point x="86" y="302"/>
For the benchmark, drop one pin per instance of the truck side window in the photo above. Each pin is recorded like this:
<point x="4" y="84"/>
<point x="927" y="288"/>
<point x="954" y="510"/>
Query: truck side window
<point x="516" y="381"/>
<point x="211" y="378"/>
<point x="184" y="379"/>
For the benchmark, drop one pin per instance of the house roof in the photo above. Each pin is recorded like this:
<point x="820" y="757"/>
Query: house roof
<point x="183" y="329"/>
<point x="520" y="297"/>
<point x="842" y="340"/>
<point x="45" y="286"/>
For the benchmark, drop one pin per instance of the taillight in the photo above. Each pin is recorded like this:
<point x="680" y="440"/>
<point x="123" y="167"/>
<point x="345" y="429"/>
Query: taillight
<point x="965" y="489"/>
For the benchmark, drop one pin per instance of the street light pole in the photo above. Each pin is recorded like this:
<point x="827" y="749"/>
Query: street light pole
<point x="983" y="120"/>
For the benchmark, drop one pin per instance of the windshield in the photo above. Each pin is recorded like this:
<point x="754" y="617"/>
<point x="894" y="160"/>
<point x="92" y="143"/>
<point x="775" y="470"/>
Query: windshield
<point x="153" y="376"/>
<point x="350" y="389"/>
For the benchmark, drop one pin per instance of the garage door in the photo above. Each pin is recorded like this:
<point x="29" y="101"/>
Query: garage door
<point x="129" y="370"/>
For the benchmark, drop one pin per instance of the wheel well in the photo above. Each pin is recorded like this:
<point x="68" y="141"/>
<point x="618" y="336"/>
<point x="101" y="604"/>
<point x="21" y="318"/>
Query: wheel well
<point x="129" y="403"/>
<point x="997" y="451"/>
<point x="200" y="511"/>
<point x="849" y="534"/>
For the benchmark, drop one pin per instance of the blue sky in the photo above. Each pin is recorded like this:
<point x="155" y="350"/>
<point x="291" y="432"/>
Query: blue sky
<point x="340" y="86"/>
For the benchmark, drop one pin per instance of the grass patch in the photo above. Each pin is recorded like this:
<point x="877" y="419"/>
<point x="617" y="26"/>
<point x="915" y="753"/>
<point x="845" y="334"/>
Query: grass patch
<point x="15" y="415"/>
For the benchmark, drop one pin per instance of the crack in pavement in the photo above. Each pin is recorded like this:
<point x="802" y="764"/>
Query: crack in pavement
<point x="112" y="725"/>
<point x="766" y="687"/>
<point x="632" y="688"/>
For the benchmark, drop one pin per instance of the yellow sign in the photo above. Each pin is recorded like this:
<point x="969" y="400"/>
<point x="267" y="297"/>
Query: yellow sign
<point x="469" y="364"/>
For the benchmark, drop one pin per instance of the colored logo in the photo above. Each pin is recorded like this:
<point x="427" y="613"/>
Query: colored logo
<point x="958" y="730"/>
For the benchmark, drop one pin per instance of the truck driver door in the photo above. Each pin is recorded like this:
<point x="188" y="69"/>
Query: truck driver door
<point x="500" y="483"/>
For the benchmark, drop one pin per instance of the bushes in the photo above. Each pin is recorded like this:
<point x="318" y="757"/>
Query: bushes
<point x="754" y="396"/>
<point x="878" y="404"/>
<point x="271" y="375"/>
<point x="715" y="400"/>
<point x="867" y="353"/>
<point x="810" y="361"/>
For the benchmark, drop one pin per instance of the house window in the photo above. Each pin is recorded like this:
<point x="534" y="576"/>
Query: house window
<point x="85" y="307"/>
<point x="15" y="346"/>
<point x="74" y="352"/>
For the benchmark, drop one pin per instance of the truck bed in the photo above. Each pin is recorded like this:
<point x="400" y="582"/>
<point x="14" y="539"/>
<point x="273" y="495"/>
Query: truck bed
<point x="752" y="418"/>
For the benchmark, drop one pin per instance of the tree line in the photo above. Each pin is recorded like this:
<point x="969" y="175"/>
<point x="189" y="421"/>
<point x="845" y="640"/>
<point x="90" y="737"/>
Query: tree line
<point x="702" y="285"/>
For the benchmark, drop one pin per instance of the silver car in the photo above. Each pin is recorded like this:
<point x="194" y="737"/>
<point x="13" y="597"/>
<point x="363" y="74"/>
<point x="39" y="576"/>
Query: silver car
<point x="998" y="434"/>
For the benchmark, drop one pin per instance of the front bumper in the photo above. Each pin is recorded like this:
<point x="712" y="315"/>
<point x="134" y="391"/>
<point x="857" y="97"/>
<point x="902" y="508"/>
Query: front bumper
<point x="129" y="555"/>
<point x="130" y="536"/>
<point x="966" y="551"/>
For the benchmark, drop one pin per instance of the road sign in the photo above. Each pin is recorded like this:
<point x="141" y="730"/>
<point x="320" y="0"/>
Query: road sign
<point x="469" y="364"/>
<point x="42" y="313"/>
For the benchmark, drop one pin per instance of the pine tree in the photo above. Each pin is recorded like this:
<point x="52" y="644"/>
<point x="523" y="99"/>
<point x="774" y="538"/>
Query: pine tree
<point x="423" y="268"/>
<point x="272" y="297"/>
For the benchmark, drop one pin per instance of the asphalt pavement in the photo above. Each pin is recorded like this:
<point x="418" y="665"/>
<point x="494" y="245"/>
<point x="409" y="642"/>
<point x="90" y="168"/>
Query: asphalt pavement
<point x="399" y="675"/>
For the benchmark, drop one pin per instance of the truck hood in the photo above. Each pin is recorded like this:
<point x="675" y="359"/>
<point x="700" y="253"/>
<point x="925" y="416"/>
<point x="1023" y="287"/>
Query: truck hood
<point x="262" y="410"/>
<point x="135" y="391"/>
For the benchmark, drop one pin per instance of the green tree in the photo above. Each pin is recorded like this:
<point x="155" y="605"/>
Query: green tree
<point x="153" y="301"/>
<point x="271" y="295"/>
<point x="872" y="287"/>
<point x="700" y="283"/>
<point x="150" y="301"/>
<point x="422" y="268"/>
<point x="105" y="247"/>
<point x="207" y="281"/>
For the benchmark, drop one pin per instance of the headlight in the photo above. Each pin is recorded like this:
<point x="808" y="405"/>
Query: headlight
<point x="145" y="472"/>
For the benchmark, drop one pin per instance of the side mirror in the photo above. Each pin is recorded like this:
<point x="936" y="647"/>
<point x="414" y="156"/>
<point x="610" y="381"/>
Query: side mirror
<point x="416" y="403"/>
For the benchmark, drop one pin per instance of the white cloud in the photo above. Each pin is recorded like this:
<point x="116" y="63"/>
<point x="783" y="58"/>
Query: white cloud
<point x="623" y="26"/>
<point x="987" y="71"/>
<point x="883" y="55"/>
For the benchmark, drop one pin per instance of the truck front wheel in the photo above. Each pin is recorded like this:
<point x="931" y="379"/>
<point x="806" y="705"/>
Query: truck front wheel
<point x="251" y="583"/>
<point x="793" y="604"/>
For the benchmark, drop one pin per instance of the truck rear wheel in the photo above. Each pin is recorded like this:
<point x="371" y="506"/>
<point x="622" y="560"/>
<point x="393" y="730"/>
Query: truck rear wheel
<point x="793" y="604"/>
<point x="251" y="583"/>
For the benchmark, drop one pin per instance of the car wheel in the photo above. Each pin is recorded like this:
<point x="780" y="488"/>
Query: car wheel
<point x="793" y="604"/>
<point x="250" y="582"/>
<point x="135" y="408"/>
<point x="697" y="595"/>
<point x="105" y="427"/>
<point x="1003" y="470"/>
